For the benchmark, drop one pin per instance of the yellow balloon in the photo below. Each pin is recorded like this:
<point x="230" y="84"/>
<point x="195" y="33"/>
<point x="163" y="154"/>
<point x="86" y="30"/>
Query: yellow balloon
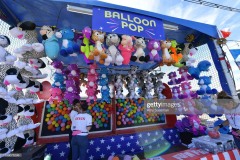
<point x="53" y="122"/>
<point x="47" y="119"/>
<point x="56" y="125"/>
<point x="68" y="126"/>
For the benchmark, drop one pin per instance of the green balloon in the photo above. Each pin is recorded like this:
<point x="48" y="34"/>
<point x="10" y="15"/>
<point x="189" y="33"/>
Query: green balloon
<point x="49" y="110"/>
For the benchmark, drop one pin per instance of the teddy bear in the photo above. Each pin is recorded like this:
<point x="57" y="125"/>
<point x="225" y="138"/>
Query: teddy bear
<point x="24" y="83"/>
<point x="188" y="49"/>
<point x="59" y="81"/>
<point x="154" y="47"/>
<point x="173" y="51"/>
<point x="72" y="91"/>
<point x="50" y="41"/>
<point x="167" y="59"/>
<point x="105" y="91"/>
<point x="112" y="41"/>
<point x="186" y="92"/>
<point x="31" y="50"/>
<point x="175" y="92"/>
<point x="204" y="82"/>
<point x="69" y="47"/>
<point x="126" y="48"/>
<point x="56" y="95"/>
<point x="139" y="55"/>
<point x="86" y="46"/>
<point x="98" y="54"/>
<point x="119" y="86"/>
<point x="5" y="57"/>
<point x="173" y="78"/>
<point x="183" y="71"/>
<point x="196" y="127"/>
<point x="202" y="66"/>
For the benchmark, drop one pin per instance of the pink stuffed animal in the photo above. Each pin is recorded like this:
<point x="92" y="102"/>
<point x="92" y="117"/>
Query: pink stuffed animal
<point x="196" y="127"/>
<point x="173" y="80"/>
<point x="126" y="48"/>
<point x="175" y="92"/>
<point x="56" y="94"/>
<point x="186" y="92"/>
<point x="183" y="71"/>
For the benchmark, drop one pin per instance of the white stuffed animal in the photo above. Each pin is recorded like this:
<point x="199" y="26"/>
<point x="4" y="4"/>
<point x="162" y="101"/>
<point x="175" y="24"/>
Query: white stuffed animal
<point x="139" y="55"/>
<point x="5" y="57"/>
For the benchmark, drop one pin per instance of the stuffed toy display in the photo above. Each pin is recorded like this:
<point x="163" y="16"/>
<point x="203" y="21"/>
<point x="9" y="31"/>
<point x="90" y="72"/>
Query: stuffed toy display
<point x="188" y="50"/>
<point x="50" y="41"/>
<point x="148" y="84"/>
<point x="5" y="57"/>
<point x="196" y="127"/>
<point x="103" y="82"/>
<point x="173" y="78"/>
<point x="112" y="41"/>
<point x="69" y="47"/>
<point x="167" y="59"/>
<point x="119" y="87"/>
<point x="92" y="84"/>
<point x="176" y="92"/>
<point x="173" y="51"/>
<point x="183" y="71"/>
<point x="158" y="85"/>
<point x="126" y="48"/>
<point x="132" y="82"/>
<point x="71" y="92"/>
<point x="98" y="54"/>
<point x="204" y="82"/>
<point x="139" y="55"/>
<point x="154" y="47"/>
<point x="59" y="79"/>
<point x="202" y="66"/>
<point x="31" y="50"/>
<point x="186" y="92"/>
<point x="56" y="95"/>
<point x="86" y="46"/>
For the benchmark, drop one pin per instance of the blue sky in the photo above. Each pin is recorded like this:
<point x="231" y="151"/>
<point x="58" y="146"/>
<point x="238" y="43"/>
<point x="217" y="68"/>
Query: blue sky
<point x="199" y="13"/>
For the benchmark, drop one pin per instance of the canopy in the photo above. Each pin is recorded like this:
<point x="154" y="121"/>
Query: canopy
<point x="54" y="12"/>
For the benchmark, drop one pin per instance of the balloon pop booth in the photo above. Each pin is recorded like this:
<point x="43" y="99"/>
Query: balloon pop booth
<point x="123" y="62"/>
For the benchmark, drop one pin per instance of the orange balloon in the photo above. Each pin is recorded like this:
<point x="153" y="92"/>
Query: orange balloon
<point x="119" y="123"/>
<point x="52" y="118"/>
<point x="103" y="119"/>
<point x="115" y="158"/>
<point x="119" y="117"/>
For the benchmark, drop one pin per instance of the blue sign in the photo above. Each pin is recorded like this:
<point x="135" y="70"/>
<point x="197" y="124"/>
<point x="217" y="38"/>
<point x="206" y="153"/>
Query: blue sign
<point x="121" y="22"/>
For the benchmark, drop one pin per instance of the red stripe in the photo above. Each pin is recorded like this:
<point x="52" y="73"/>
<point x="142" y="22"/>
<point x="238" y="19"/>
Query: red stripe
<point x="231" y="154"/>
<point x="221" y="156"/>
<point x="221" y="58"/>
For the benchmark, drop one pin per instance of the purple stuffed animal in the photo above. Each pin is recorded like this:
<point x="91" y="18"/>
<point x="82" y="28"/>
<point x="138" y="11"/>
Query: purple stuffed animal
<point x="183" y="71"/>
<point x="154" y="47"/>
<point x="174" y="80"/>
<point x="175" y="92"/>
<point x="58" y="65"/>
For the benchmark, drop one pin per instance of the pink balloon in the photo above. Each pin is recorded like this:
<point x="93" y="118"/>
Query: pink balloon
<point x="127" y="157"/>
<point x="49" y="122"/>
<point x="123" y="116"/>
<point x="117" y="113"/>
<point x="110" y="158"/>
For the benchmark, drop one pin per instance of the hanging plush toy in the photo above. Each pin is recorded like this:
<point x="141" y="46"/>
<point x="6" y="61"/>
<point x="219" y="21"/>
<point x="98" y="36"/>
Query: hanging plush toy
<point x="126" y="48"/>
<point x="148" y="84"/>
<point x="188" y="50"/>
<point x="103" y="82"/>
<point x="154" y="47"/>
<point x="119" y="87"/>
<point x="32" y="50"/>
<point x="132" y="82"/>
<point x="112" y="42"/>
<point x="167" y="59"/>
<point x="5" y="57"/>
<point x="173" y="78"/>
<point x="176" y="92"/>
<point x="183" y="71"/>
<point x="158" y="85"/>
<point x="139" y="55"/>
<point x="173" y="51"/>
<point x="98" y="54"/>
<point x="92" y="84"/>
<point x="86" y="47"/>
<point x="196" y="127"/>
<point x="202" y="66"/>
<point x="204" y="82"/>
<point x="186" y="92"/>
<point x="58" y="76"/>
<point x="56" y="95"/>
<point x="71" y="92"/>
<point x="69" y="47"/>
<point x="50" y="41"/>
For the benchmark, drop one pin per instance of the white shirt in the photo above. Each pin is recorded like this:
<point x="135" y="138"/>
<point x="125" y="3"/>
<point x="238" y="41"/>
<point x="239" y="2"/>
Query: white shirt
<point x="233" y="116"/>
<point x="80" y="122"/>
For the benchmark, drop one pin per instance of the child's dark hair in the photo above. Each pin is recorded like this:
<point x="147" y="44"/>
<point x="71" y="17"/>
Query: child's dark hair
<point x="223" y="95"/>
<point x="75" y="101"/>
<point x="84" y="105"/>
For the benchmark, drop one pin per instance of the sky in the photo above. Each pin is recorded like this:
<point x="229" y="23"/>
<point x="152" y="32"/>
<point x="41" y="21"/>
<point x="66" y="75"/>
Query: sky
<point x="199" y="13"/>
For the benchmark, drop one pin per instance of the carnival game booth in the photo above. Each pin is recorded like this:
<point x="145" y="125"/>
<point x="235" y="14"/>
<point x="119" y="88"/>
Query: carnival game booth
<point x="116" y="58"/>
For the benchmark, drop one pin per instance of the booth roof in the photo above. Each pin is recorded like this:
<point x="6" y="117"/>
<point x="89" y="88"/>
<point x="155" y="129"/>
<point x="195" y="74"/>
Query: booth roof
<point x="54" y="12"/>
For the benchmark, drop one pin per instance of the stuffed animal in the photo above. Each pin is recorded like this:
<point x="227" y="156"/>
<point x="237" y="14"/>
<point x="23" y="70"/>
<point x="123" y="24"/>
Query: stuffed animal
<point x="92" y="83"/>
<point x="186" y="92"/>
<point x="188" y="49"/>
<point x="103" y="82"/>
<point x="126" y="48"/>
<point x="132" y="82"/>
<point x="204" y="82"/>
<point x="158" y="85"/>
<point x="59" y="81"/>
<point x="112" y="42"/>
<point x="50" y="41"/>
<point x="195" y="123"/>
<point x="179" y="126"/>
<point x="183" y="71"/>
<point x="173" y="51"/>
<point x="176" y="92"/>
<point x="86" y="46"/>
<point x="69" y="47"/>
<point x="202" y="66"/>
<point x="5" y="57"/>
<point x="173" y="78"/>
<point x="167" y="59"/>
<point x="56" y="95"/>
<point x="139" y="55"/>
<point x="154" y="47"/>
<point x="72" y="92"/>
<point x="31" y="50"/>
<point x="119" y="87"/>
<point x="98" y="54"/>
